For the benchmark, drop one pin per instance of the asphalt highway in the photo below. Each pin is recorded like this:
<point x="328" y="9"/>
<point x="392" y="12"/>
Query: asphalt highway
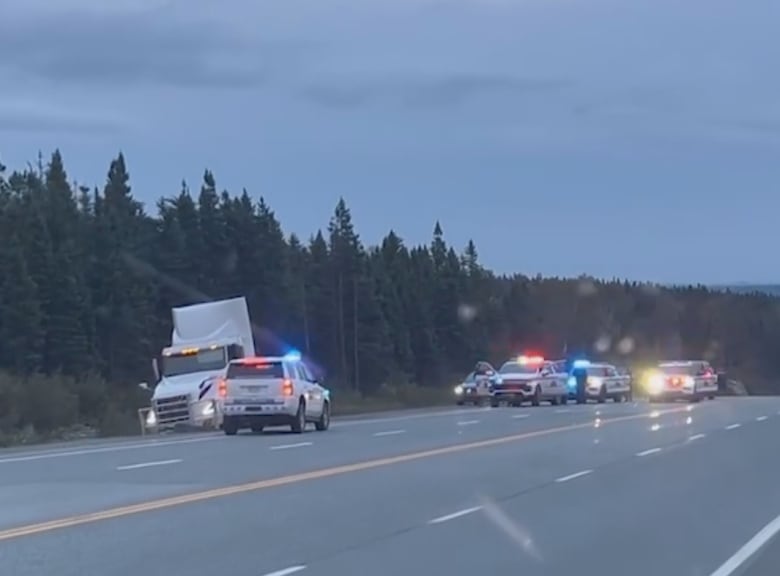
<point x="610" y="489"/>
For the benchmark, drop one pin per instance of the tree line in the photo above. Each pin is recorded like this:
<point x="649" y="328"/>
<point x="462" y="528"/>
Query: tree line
<point x="88" y="277"/>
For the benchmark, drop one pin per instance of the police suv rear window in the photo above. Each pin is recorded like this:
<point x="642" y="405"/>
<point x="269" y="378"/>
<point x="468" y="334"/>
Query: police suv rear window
<point x="253" y="370"/>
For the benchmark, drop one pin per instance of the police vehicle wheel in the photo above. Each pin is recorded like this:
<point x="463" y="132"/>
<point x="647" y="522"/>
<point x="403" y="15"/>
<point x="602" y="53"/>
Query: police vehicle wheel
<point x="711" y="397"/>
<point x="299" y="425"/>
<point x="229" y="426"/>
<point x="537" y="397"/>
<point x="324" y="422"/>
<point x="565" y="399"/>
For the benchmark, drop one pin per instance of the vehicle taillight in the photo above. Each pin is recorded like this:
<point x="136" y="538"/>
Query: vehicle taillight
<point x="222" y="388"/>
<point x="287" y="388"/>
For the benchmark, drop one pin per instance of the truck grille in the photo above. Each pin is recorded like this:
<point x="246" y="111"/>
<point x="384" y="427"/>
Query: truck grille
<point x="172" y="410"/>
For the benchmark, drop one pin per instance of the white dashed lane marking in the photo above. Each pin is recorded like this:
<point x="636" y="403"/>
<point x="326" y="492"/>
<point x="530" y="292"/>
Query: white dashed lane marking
<point x="455" y="515"/>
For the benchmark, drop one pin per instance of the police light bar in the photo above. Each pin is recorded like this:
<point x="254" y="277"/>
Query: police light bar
<point x="581" y="363"/>
<point x="292" y="356"/>
<point x="530" y="360"/>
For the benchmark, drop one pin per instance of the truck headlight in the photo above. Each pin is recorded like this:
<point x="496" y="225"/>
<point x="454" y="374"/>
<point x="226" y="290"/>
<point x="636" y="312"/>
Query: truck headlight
<point x="208" y="409"/>
<point x="458" y="390"/>
<point x="151" y="419"/>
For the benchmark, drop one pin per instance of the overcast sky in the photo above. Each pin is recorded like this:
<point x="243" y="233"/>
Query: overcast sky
<point x="632" y="138"/>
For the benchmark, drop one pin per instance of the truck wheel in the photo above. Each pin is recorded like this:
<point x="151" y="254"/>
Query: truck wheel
<point x="555" y="400"/>
<point x="230" y="426"/>
<point x="299" y="424"/>
<point x="602" y="395"/>
<point x="257" y="428"/>
<point x="324" y="422"/>
<point x="495" y="403"/>
<point x="565" y="399"/>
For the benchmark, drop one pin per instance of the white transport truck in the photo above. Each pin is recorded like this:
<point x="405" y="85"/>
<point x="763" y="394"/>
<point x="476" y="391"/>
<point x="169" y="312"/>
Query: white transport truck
<point x="205" y="338"/>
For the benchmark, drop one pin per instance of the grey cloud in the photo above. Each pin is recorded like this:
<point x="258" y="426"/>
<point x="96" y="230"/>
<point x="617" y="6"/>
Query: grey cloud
<point x="49" y="121"/>
<point x="443" y="92"/>
<point x="151" y="47"/>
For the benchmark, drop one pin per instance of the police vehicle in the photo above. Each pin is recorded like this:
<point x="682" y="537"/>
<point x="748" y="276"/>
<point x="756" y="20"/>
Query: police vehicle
<point x="599" y="381"/>
<point x="272" y="391"/>
<point x="689" y="380"/>
<point x="530" y="379"/>
<point x="477" y="387"/>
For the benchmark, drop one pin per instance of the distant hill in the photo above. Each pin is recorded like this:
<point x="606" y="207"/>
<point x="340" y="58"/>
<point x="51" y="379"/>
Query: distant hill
<point x="772" y="289"/>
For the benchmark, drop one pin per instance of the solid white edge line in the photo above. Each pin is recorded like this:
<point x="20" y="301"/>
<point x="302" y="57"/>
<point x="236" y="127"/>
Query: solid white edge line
<point x="286" y="571"/>
<point x="147" y="464"/>
<point x="648" y="452"/>
<point x="286" y="446"/>
<point x="454" y="515"/>
<point x="697" y="436"/>
<point x="104" y="449"/>
<point x="563" y="411"/>
<point x="749" y="549"/>
<point x="468" y="422"/>
<point x="389" y="433"/>
<point x="733" y="426"/>
<point x="761" y="418"/>
<point x="573" y="476"/>
<point x="518" y="416"/>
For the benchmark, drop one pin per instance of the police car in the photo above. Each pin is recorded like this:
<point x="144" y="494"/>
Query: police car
<point x="599" y="381"/>
<point x="689" y="380"/>
<point x="272" y="391"/>
<point x="530" y="379"/>
<point x="476" y="388"/>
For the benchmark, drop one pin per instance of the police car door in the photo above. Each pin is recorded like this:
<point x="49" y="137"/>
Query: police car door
<point x="550" y="386"/>
<point x="706" y="379"/>
<point x="612" y="380"/>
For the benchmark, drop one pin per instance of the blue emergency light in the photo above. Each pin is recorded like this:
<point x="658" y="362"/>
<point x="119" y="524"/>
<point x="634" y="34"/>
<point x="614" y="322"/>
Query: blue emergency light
<point x="292" y="356"/>
<point x="581" y="364"/>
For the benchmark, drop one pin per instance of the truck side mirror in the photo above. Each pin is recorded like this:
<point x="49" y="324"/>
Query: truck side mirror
<point x="155" y="370"/>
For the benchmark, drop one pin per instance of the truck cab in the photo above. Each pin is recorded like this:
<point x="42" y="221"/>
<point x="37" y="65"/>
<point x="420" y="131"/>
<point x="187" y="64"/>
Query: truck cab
<point x="206" y="338"/>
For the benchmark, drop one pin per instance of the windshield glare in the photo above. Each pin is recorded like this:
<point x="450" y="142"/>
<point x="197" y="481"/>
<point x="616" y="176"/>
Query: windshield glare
<point x="516" y="368"/>
<point x="203" y="361"/>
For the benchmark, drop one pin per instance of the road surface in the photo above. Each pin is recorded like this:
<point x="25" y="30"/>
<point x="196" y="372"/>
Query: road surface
<point x="603" y="490"/>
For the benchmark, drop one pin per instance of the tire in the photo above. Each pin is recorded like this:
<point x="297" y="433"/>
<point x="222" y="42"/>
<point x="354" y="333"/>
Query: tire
<point x="630" y="397"/>
<point x="459" y="402"/>
<point x="299" y="424"/>
<point x="555" y="400"/>
<point x="537" y="397"/>
<point x="324" y="421"/>
<point x="618" y="399"/>
<point x="711" y="397"/>
<point x="229" y="426"/>
<point x="602" y="395"/>
<point x="257" y="428"/>
<point x="565" y="399"/>
<point x="495" y="403"/>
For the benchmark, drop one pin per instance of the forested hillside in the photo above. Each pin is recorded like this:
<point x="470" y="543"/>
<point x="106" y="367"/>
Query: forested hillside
<point x="88" y="277"/>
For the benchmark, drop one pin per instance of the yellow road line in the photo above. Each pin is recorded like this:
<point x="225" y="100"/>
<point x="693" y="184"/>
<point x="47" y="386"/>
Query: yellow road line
<point x="77" y="520"/>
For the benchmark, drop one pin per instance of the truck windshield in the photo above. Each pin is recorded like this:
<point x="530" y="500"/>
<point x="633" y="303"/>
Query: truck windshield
<point x="204" y="360"/>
